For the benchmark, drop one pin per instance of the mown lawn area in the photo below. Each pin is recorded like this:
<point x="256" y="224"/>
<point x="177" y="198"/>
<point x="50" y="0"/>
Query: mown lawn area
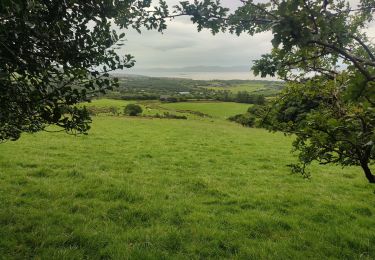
<point x="140" y="188"/>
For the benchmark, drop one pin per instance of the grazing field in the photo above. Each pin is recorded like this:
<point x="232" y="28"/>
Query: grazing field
<point x="105" y="103"/>
<point x="240" y="87"/>
<point x="220" y="110"/>
<point x="140" y="188"/>
<point x="267" y="89"/>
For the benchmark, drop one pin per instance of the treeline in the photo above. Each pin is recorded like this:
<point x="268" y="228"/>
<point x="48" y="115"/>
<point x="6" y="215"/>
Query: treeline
<point x="240" y="97"/>
<point x="135" y="96"/>
<point x="201" y="94"/>
<point x="253" y="117"/>
<point x="178" y="90"/>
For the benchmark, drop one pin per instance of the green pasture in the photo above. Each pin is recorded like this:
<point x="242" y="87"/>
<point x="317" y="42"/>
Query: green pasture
<point x="240" y="87"/>
<point x="105" y="103"/>
<point x="221" y="110"/>
<point x="141" y="188"/>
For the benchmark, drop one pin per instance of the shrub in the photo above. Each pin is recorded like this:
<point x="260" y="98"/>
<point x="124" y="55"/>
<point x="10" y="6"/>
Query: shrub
<point x="113" y="110"/>
<point x="133" y="110"/>
<point x="243" y="119"/>
<point x="173" y="116"/>
<point x="258" y="110"/>
<point x="93" y="111"/>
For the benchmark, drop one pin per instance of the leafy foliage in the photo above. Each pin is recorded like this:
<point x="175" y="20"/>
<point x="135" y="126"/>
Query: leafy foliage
<point x="133" y="110"/>
<point x="246" y="97"/>
<point x="57" y="53"/>
<point x="170" y="116"/>
<point x="329" y="129"/>
<point x="247" y="119"/>
<point x="333" y="121"/>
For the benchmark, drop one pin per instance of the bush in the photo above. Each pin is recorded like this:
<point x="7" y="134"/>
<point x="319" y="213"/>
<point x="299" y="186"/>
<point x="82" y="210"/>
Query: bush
<point x="258" y="110"/>
<point x="93" y="111"/>
<point x="133" y="110"/>
<point x="113" y="110"/>
<point x="171" y="116"/>
<point x="243" y="119"/>
<point x="169" y="99"/>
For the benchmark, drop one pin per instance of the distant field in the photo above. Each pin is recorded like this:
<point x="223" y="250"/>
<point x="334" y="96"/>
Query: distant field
<point x="140" y="188"/>
<point x="120" y="105"/>
<point x="221" y="110"/>
<point x="108" y="103"/>
<point x="255" y="88"/>
<point x="242" y="87"/>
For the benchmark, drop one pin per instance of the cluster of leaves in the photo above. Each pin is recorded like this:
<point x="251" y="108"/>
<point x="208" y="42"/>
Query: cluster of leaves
<point x="329" y="127"/>
<point x="133" y="110"/>
<point x="253" y="117"/>
<point x="247" y="119"/>
<point x="333" y="121"/>
<point x="248" y="98"/>
<point x="55" y="54"/>
<point x="170" y="116"/>
<point x="308" y="36"/>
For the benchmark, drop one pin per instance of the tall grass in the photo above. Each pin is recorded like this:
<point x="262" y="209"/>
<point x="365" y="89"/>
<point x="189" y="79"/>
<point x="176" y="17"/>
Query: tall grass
<point x="176" y="189"/>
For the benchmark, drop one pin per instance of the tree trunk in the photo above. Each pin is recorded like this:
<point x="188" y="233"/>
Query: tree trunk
<point x="367" y="170"/>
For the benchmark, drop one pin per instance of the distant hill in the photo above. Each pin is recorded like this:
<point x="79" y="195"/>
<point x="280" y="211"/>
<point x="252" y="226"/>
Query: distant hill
<point x="242" y="68"/>
<point x="141" y="87"/>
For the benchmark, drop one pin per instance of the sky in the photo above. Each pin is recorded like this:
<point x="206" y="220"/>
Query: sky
<point x="182" y="46"/>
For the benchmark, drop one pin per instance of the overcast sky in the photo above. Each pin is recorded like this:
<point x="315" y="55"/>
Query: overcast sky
<point x="181" y="45"/>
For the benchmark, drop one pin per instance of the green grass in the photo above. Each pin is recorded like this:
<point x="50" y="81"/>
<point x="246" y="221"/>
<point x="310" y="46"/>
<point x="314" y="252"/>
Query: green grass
<point x="138" y="188"/>
<point x="104" y="103"/>
<point x="241" y="87"/>
<point x="221" y="110"/>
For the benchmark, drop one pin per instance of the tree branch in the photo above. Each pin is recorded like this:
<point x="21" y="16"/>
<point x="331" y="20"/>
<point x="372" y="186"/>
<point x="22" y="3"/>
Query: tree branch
<point x="350" y="57"/>
<point x="367" y="49"/>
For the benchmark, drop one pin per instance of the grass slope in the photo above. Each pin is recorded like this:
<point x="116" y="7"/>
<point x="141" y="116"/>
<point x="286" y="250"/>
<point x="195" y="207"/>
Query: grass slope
<point x="221" y="110"/>
<point x="176" y="189"/>
<point x="106" y="103"/>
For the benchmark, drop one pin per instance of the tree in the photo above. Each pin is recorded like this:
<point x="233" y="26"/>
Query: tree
<point x="320" y="47"/>
<point x="55" y="54"/>
<point x="247" y="119"/>
<point x="133" y="110"/>
<point x="328" y="127"/>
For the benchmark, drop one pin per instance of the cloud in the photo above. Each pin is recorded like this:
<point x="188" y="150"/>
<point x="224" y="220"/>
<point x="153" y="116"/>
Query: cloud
<point x="169" y="44"/>
<point x="182" y="46"/>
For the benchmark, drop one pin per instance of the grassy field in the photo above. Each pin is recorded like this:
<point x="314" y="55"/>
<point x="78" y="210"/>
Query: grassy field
<point x="140" y="188"/>
<point x="254" y="87"/>
<point x="220" y="110"/>
<point x="241" y="87"/>
<point x="105" y="103"/>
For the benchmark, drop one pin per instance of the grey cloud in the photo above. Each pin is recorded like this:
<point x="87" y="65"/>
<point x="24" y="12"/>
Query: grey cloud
<point x="182" y="46"/>
<point x="170" y="46"/>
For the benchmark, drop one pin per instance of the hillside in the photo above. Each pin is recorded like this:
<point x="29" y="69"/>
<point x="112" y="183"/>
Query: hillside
<point x="201" y="188"/>
<point x="142" y="87"/>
